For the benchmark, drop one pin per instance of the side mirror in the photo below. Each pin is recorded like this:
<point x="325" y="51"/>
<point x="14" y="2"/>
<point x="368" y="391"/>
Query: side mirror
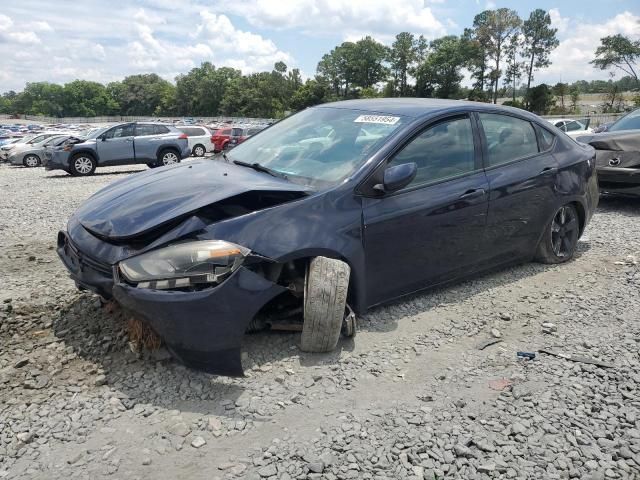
<point x="397" y="177"/>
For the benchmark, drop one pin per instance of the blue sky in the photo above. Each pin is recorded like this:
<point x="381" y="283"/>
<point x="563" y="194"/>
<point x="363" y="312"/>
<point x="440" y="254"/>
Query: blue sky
<point x="104" y="41"/>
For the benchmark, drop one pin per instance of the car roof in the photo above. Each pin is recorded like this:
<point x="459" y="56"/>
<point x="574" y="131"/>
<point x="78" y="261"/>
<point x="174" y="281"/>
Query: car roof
<point x="420" y="107"/>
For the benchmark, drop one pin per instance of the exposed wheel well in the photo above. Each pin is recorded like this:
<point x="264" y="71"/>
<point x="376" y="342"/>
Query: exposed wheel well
<point x="581" y="215"/>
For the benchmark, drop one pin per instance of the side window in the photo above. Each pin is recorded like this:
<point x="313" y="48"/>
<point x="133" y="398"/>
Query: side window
<point x="236" y="132"/>
<point x="545" y="138"/>
<point x="442" y="151"/>
<point x="160" y="130"/>
<point x="143" y="130"/>
<point x="508" y="138"/>
<point x="573" y="126"/>
<point x="120" y="131"/>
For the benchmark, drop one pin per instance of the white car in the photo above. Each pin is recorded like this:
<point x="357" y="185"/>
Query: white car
<point x="199" y="139"/>
<point x="571" y="127"/>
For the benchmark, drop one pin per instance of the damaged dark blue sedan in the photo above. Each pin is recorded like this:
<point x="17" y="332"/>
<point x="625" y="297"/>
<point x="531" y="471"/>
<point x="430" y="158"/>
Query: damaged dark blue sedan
<point x="327" y="213"/>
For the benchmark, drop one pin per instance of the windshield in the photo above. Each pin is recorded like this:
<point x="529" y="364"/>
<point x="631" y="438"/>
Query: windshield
<point x="630" y="121"/>
<point x="319" y="146"/>
<point x="96" y="133"/>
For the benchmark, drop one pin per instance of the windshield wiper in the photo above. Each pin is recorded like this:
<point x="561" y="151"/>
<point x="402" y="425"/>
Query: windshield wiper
<point x="261" y="168"/>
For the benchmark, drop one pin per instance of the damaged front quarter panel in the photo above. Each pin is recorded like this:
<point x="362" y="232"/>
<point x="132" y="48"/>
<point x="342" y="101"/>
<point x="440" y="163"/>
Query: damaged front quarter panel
<point x="203" y="329"/>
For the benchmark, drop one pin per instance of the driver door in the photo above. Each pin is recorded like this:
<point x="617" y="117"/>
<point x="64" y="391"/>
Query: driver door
<point x="433" y="230"/>
<point x="115" y="146"/>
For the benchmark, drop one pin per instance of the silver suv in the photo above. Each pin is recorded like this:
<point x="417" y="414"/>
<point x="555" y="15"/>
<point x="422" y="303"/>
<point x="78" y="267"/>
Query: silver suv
<point x="153" y="144"/>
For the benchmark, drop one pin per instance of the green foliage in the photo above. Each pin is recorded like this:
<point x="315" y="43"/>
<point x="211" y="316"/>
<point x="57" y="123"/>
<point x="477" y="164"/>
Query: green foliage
<point x="539" y="99"/>
<point x="352" y="66"/>
<point x="493" y="29"/>
<point x="539" y="40"/>
<point x="405" y="54"/>
<point x="441" y="73"/>
<point x="142" y="94"/>
<point x="561" y="90"/>
<point x="201" y="91"/>
<point x="618" y="51"/>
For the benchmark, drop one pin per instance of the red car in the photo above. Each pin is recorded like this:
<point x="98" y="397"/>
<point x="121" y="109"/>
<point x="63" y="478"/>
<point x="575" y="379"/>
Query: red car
<point x="239" y="135"/>
<point x="220" y="139"/>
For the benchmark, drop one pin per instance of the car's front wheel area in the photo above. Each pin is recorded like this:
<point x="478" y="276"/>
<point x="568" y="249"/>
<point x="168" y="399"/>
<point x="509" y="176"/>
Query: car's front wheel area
<point x="325" y="297"/>
<point x="560" y="238"/>
<point x="82" y="165"/>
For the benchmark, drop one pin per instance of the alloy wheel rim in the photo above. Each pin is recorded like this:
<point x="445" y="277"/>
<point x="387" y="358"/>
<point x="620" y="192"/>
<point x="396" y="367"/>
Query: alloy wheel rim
<point x="31" y="161"/>
<point x="169" y="158"/>
<point x="199" y="151"/>
<point x="564" y="232"/>
<point x="83" y="165"/>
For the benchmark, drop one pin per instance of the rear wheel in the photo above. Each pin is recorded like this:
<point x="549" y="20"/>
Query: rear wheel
<point x="82" y="165"/>
<point x="325" y="297"/>
<point x="31" y="161"/>
<point x="560" y="237"/>
<point x="198" y="151"/>
<point x="168" y="157"/>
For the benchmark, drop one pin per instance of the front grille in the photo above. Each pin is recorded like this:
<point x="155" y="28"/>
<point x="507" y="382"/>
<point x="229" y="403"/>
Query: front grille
<point x="83" y="260"/>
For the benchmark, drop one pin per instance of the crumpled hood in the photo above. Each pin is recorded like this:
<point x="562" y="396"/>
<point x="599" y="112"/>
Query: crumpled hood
<point x="145" y="201"/>
<point x="625" y="140"/>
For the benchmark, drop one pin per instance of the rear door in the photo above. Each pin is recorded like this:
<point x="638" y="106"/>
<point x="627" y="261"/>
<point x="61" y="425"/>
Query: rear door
<point x="433" y="229"/>
<point x="115" y="146"/>
<point x="146" y="142"/>
<point x="522" y="185"/>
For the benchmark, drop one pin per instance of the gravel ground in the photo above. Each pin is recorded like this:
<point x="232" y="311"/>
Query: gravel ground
<point x="411" y="398"/>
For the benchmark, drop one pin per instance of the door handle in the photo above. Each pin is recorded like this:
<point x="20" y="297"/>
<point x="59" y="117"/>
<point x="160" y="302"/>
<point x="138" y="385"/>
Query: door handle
<point x="473" y="193"/>
<point x="548" y="171"/>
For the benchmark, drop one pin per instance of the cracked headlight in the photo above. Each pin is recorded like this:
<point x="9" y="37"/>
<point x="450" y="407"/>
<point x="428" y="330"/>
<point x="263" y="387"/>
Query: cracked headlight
<point x="184" y="264"/>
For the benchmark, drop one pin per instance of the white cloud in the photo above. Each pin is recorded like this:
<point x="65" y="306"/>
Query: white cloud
<point x="558" y="21"/>
<point x="237" y="48"/>
<point x="570" y="61"/>
<point x="348" y="18"/>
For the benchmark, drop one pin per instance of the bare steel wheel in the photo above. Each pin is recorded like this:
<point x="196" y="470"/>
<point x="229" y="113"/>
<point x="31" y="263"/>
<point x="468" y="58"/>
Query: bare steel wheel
<point x="31" y="161"/>
<point x="561" y="235"/>
<point x="82" y="165"/>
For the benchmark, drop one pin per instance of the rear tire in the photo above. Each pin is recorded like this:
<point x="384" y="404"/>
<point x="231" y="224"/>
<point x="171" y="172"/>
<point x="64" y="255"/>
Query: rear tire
<point x="31" y="161"/>
<point x="325" y="297"/>
<point x="199" y="151"/>
<point x="560" y="238"/>
<point x="168" y="156"/>
<point x="82" y="165"/>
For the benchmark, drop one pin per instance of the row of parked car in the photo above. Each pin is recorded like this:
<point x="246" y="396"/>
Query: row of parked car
<point x="151" y="143"/>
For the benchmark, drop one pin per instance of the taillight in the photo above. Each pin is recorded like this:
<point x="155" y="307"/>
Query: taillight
<point x="183" y="136"/>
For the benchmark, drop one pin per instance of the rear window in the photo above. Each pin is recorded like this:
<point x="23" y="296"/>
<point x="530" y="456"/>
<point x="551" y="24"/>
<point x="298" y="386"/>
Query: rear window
<point x="236" y="132"/>
<point x="144" y="129"/>
<point x="226" y="131"/>
<point x="160" y="129"/>
<point x="192" y="132"/>
<point x="545" y="138"/>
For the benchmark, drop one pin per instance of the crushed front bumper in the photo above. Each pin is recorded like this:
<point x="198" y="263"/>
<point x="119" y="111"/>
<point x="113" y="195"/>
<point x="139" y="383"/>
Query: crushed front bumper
<point x="624" y="181"/>
<point x="203" y="329"/>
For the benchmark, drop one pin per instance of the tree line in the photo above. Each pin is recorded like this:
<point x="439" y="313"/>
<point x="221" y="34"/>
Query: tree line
<point x="501" y="52"/>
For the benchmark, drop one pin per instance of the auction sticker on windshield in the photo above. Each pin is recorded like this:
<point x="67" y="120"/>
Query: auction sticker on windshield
<point x="377" y="119"/>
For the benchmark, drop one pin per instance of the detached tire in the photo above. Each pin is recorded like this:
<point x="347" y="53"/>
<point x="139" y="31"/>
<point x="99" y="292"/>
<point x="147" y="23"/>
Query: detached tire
<point x="325" y="298"/>
<point x="560" y="238"/>
<point x="82" y="165"/>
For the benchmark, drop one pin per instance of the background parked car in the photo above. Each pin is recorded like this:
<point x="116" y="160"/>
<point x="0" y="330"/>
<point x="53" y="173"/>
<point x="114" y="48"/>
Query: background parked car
<point x="220" y="139"/>
<point x="153" y="144"/>
<point x="572" y="127"/>
<point x="618" y="155"/>
<point x="6" y="150"/>
<point x="239" y="135"/>
<point x="31" y="154"/>
<point x="199" y="139"/>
